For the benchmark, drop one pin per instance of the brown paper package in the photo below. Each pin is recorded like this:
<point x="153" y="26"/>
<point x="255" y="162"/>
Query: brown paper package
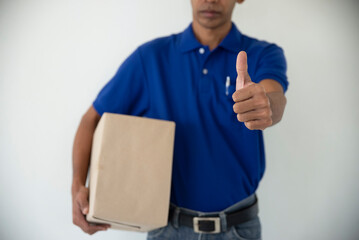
<point x="130" y="172"/>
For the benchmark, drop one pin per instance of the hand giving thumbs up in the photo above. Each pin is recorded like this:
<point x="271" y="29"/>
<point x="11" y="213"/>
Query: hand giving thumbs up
<point x="252" y="104"/>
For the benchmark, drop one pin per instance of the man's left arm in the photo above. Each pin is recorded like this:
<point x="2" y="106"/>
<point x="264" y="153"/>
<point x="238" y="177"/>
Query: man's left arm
<point x="258" y="106"/>
<point x="277" y="100"/>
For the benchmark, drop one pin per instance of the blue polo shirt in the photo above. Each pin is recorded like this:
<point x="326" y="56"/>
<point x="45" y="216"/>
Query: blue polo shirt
<point x="217" y="161"/>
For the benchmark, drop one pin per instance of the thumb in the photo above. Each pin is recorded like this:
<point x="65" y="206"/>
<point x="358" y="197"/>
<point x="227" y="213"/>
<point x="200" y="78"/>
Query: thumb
<point x="242" y="70"/>
<point x="83" y="202"/>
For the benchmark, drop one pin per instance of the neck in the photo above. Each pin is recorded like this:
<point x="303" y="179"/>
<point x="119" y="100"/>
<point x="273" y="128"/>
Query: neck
<point x="211" y="37"/>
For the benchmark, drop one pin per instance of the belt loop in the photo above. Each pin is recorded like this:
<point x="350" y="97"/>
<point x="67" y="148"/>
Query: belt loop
<point x="223" y="217"/>
<point x="175" y="217"/>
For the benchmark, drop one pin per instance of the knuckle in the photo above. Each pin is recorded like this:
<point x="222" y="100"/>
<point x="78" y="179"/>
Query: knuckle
<point x="266" y="113"/>
<point x="257" y="88"/>
<point x="265" y="102"/>
<point x="260" y="88"/>
<point x="262" y="100"/>
<point x="260" y="103"/>
<point x="270" y="113"/>
<point x="249" y="125"/>
<point x="263" y="114"/>
<point x="252" y="85"/>
<point x="251" y="91"/>
<point x="269" y="121"/>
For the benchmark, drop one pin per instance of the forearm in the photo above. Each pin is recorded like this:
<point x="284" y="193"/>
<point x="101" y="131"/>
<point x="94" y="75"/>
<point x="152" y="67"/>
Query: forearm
<point x="82" y="152"/>
<point x="81" y="158"/>
<point x="277" y="104"/>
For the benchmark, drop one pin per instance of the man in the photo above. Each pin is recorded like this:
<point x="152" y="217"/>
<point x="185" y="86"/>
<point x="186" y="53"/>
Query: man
<point x="220" y="101"/>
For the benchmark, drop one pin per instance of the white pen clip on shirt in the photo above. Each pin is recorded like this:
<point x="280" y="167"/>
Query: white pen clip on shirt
<point x="228" y="83"/>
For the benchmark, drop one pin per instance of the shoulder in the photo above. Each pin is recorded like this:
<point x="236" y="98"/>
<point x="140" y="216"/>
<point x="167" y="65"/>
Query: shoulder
<point x="267" y="60"/>
<point x="258" y="47"/>
<point x="154" y="52"/>
<point x="158" y="45"/>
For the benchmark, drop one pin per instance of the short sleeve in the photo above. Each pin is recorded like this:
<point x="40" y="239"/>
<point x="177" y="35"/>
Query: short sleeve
<point x="272" y="65"/>
<point x="127" y="91"/>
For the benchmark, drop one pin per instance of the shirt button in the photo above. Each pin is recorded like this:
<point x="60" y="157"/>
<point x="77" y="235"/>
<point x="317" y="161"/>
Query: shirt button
<point x="205" y="71"/>
<point x="201" y="50"/>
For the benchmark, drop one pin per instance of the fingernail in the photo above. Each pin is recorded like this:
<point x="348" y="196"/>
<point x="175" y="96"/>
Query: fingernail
<point x="84" y="211"/>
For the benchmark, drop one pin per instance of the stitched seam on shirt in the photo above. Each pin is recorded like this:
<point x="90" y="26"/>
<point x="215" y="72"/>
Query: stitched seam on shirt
<point x="146" y="79"/>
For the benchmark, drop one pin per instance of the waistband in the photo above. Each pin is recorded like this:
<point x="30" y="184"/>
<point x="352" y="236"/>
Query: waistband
<point x="250" y="200"/>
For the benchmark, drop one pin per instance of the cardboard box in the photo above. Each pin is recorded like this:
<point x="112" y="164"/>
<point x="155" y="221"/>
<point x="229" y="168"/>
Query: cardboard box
<point x="130" y="172"/>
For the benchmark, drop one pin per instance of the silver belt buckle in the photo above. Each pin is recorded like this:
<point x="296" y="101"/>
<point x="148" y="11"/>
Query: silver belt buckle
<point x="216" y="220"/>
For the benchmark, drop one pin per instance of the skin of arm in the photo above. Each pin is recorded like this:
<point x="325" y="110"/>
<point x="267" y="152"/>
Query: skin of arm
<point x="81" y="158"/>
<point x="277" y="99"/>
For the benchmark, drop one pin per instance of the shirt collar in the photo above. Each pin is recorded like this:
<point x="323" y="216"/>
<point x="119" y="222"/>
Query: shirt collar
<point x="188" y="41"/>
<point x="232" y="42"/>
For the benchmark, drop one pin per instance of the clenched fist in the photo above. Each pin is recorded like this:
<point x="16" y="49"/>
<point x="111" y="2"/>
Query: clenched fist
<point x="252" y="104"/>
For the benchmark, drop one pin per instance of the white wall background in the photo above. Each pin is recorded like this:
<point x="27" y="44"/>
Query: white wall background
<point x="56" y="55"/>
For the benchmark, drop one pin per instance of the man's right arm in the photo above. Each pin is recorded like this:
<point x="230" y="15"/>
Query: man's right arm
<point x="81" y="158"/>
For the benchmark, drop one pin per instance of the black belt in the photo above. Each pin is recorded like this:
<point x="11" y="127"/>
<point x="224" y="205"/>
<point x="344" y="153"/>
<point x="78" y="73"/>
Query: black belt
<point x="212" y="224"/>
